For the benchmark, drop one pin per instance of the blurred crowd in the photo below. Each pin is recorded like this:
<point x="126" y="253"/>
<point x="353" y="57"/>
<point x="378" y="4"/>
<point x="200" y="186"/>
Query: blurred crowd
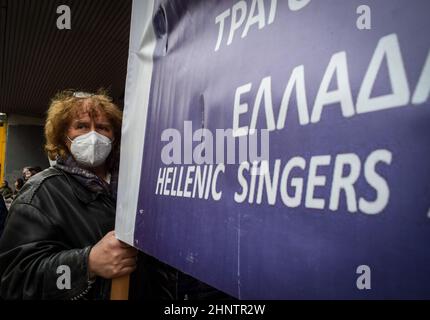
<point x="9" y="194"/>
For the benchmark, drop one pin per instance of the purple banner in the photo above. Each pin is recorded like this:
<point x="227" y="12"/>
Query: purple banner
<point x="338" y="95"/>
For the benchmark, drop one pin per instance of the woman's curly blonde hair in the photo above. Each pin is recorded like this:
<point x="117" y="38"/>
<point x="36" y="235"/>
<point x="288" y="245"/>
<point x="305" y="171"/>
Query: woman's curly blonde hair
<point x="65" y="106"/>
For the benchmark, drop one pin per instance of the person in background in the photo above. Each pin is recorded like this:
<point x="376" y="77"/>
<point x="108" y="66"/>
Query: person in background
<point x="18" y="185"/>
<point x="63" y="217"/>
<point x="35" y="170"/>
<point x="26" y="173"/>
<point x="5" y="190"/>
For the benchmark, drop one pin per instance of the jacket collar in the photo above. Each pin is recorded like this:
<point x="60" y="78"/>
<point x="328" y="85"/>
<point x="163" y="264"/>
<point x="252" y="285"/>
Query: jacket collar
<point x="79" y="190"/>
<point x="86" y="185"/>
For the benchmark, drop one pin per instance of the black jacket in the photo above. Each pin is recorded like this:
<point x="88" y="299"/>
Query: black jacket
<point x="53" y="222"/>
<point x="3" y="214"/>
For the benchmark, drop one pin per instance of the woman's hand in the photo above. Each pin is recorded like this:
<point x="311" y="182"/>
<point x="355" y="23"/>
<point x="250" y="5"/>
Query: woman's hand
<point x="111" y="258"/>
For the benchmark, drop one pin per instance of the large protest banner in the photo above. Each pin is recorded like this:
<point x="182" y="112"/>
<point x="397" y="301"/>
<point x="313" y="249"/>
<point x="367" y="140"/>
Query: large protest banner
<point x="335" y="202"/>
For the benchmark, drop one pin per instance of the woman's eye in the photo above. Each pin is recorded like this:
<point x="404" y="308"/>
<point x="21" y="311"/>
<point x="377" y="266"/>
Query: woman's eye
<point x="103" y="128"/>
<point x="81" y="126"/>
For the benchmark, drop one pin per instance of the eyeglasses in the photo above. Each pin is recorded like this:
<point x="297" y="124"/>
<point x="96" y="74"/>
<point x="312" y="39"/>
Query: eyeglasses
<point x="81" y="94"/>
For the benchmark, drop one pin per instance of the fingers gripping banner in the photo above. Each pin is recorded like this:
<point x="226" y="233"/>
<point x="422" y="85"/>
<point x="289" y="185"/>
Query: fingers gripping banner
<point x="281" y="149"/>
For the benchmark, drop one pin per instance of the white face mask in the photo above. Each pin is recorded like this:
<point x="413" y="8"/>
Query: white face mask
<point x="91" y="149"/>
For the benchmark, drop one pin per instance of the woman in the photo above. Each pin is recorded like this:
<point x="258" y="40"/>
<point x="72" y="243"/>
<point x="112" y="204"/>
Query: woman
<point x="58" y="241"/>
<point x="18" y="185"/>
<point x="26" y="173"/>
